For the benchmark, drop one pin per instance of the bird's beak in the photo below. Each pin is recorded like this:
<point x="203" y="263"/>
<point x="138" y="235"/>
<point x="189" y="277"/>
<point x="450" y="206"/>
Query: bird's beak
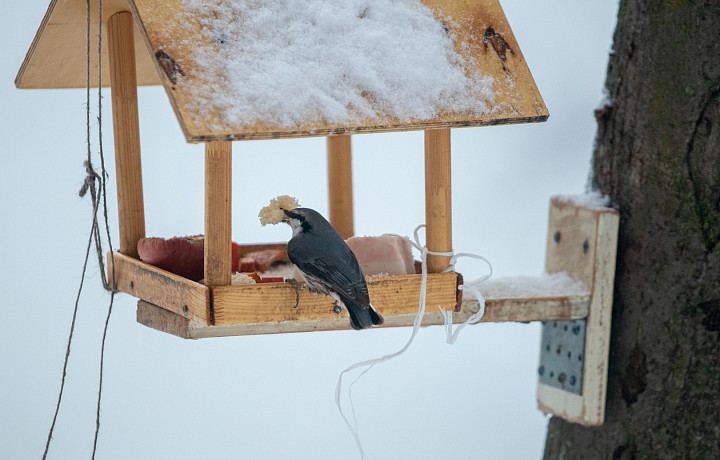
<point x="287" y="215"/>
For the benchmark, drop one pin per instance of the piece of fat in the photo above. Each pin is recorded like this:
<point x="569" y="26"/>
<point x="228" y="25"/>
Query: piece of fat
<point x="386" y="254"/>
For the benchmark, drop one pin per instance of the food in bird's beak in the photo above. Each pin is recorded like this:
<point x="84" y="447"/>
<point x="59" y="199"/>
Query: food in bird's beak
<point x="274" y="212"/>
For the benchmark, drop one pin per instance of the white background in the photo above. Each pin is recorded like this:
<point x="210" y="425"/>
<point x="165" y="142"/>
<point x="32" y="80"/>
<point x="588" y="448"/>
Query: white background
<point x="272" y="396"/>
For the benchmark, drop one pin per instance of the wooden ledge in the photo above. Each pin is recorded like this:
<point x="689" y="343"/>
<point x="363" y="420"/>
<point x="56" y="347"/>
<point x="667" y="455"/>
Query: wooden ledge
<point x="269" y="302"/>
<point x="496" y="310"/>
<point x="184" y="308"/>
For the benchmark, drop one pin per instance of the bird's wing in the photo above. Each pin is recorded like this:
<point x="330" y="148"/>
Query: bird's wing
<point x="340" y="272"/>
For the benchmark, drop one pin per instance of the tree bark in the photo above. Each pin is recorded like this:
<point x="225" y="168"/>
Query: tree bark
<point x="657" y="156"/>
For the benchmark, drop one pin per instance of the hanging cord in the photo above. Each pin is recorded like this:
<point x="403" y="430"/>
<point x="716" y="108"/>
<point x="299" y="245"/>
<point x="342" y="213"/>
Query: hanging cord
<point x="98" y="240"/>
<point x="370" y="363"/>
<point x="96" y="184"/>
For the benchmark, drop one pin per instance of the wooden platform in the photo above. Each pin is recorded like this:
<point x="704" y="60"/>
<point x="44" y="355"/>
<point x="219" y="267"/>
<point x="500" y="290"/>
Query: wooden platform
<point x="481" y="34"/>
<point x="188" y="309"/>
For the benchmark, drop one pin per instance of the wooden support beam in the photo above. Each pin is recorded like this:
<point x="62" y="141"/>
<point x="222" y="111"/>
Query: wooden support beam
<point x="315" y="312"/>
<point x="438" y="197"/>
<point x="126" y="126"/>
<point x="340" y="193"/>
<point x="582" y="241"/>
<point x="158" y="318"/>
<point x="218" y="213"/>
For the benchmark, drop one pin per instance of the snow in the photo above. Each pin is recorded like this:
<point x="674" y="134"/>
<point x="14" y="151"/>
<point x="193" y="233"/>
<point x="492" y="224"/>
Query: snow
<point x="545" y="285"/>
<point x="592" y="200"/>
<point x="288" y="63"/>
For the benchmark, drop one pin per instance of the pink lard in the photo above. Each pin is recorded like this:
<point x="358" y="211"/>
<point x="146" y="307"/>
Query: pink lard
<point x="386" y="254"/>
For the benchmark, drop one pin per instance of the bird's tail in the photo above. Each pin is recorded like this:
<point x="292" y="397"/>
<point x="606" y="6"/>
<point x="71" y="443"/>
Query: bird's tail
<point x="363" y="317"/>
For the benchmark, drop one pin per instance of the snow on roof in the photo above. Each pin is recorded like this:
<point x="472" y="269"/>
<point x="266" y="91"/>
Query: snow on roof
<point x="289" y="62"/>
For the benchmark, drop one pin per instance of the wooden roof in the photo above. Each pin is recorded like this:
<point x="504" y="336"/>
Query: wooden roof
<point x="58" y="56"/>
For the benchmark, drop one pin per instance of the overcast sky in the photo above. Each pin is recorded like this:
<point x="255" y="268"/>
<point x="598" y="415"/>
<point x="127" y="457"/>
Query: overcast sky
<point x="272" y="396"/>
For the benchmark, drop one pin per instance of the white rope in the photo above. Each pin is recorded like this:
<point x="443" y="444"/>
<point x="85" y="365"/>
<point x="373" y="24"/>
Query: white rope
<point x="474" y="288"/>
<point x="370" y="363"/>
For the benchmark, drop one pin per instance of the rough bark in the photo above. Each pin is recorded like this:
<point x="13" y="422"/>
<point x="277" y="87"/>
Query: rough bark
<point x="657" y="156"/>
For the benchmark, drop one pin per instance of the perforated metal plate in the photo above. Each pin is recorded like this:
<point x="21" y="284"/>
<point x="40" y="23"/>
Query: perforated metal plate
<point x="562" y="354"/>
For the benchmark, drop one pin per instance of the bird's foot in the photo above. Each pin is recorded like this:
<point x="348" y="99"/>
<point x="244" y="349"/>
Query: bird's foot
<point x="297" y="285"/>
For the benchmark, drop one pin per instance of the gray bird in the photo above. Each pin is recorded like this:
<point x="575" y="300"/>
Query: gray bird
<point x="328" y="265"/>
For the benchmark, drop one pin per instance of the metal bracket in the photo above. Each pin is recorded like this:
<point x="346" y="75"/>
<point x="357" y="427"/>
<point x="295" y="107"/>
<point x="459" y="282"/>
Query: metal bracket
<point x="582" y="241"/>
<point x="561" y="355"/>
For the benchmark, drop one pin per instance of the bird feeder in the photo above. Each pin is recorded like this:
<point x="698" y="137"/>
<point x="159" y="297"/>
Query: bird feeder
<point x="147" y="42"/>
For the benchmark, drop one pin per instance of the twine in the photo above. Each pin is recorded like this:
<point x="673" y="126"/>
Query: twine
<point x="95" y="184"/>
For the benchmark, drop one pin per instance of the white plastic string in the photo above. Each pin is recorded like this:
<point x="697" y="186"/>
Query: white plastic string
<point x="474" y="288"/>
<point x="370" y="363"/>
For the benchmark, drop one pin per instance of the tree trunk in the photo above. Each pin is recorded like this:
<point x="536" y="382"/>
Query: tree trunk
<point x="658" y="158"/>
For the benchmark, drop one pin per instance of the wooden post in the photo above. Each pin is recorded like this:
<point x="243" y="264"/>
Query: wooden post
<point x="123" y="81"/>
<point x="218" y="213"/>
<point x="340" y="194"/>
<point x="438" y="197"/>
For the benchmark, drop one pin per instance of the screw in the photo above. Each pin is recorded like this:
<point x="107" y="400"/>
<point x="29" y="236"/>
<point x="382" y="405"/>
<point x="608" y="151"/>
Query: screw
<point x="562" y="377"/>
<point x="579" y="357"/>
<point x="556" y="237"/>
<point x="586" y="246"/>
<point x="559" y="349"/>
<point x="576" y="330"/>
<point x="573" y="380"/>
<point x="131" y="285"/>
<point x="185" y="309"/>
<point x="541" y="370"/>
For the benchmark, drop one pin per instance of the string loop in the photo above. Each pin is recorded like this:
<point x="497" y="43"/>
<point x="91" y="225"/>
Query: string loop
<point x="472" y="287"/>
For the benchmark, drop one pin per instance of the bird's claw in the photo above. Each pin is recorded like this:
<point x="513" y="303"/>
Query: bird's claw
<point x="297" y="285"/>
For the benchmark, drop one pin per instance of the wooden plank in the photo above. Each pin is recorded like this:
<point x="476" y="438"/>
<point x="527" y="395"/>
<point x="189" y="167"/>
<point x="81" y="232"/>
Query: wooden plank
<point x="438" y="198"/>
<point x="480" y="30"/>
<point x="57" y="56"/>
<point x="496" y="310"/>
<point x="583" y="242"/>
<point x="126" y="126"/>
<point x="162" y="320"/>
<point x="340" y="184"/>
<point x="174" y="293"/>
<point x="275" y="302"/>
<point x="556" y="308"/>
<point x="218" y="213"/>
